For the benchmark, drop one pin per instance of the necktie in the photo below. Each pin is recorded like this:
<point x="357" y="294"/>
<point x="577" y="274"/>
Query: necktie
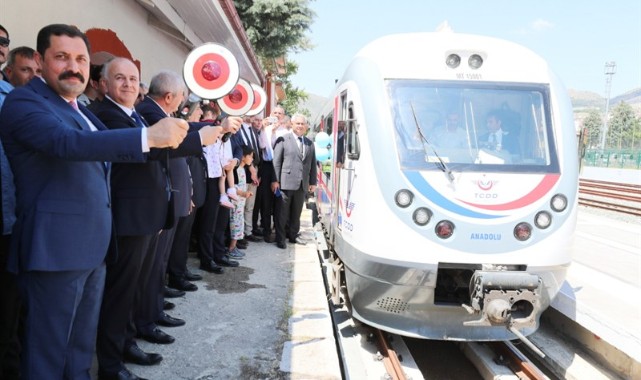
<point x="138" y="119"/>
<point x="74" y="105"/>
<point x="302" y="146"/>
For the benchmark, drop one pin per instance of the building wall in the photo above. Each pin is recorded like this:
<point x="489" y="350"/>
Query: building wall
<point x="153" y="48"/>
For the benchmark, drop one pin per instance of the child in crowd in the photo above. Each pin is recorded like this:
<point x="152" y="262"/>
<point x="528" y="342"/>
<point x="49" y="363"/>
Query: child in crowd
<point x="237" y="221"/>
<point x="211" y="112"/>
<point x="228" y="175"/>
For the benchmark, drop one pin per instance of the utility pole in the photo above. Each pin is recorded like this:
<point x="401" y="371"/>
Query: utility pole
<point x="610" y="69"/>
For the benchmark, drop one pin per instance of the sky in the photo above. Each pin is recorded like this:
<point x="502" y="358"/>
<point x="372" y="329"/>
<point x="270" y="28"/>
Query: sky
<point x="576" y="37"/>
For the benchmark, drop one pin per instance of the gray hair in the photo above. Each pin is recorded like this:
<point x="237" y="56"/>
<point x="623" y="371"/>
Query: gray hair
<point x="105" y="67"/>
<point x="299" y="116"/>
<point x="166" y="81"/>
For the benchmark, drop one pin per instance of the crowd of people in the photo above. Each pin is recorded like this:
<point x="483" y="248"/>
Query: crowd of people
<point x="106" y="187"/>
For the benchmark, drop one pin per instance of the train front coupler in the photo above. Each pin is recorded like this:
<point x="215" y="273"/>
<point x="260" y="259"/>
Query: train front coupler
<point x="506" y="298"/>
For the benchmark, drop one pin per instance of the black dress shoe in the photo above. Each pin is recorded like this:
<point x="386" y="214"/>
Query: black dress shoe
<point x="168" y="305"/>
<point x="169" y="321"/>
<point x="252" y="238"/>
<point x="241" y="246"/>
<point x="133" y="354"/>
<point x="298" y="241"/>
<point x="212" y="267"/>
<point x="123" y="374"/>
<point x="257" y="233"/>
<point x="157" y="336"/>
<point x="181" y="284"/>
<point x="192" y="276"/>
<point x="173" y="293"/>
<point x="268" y="239"/>
<point x="226" y="262"/>
<point x="281" y="244"/>
<point x="242" y="241"/>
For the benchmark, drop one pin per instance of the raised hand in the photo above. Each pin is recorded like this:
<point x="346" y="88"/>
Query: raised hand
<point x="167" y="133"/>
<point x="210" y="134"/>
<point x="232" y="124"/>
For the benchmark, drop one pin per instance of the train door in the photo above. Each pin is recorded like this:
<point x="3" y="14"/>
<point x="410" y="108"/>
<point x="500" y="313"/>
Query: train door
<point x="338" y="153"/>
<point x="344" y="158"/>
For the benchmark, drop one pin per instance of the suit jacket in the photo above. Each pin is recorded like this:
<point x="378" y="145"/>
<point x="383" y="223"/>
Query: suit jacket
<point x="140" y="191"/>
<point x="238" y="140"/>
<point x="509" y="142"/>
<point x="63" y="205"/>
<point x="293" y="169"/>
<point x="177" y="164"/>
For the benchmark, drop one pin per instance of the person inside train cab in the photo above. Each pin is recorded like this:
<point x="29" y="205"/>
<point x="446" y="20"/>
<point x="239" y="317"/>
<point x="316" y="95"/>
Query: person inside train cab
<point x="450" y="135"/>
<point x="497" y="137"/>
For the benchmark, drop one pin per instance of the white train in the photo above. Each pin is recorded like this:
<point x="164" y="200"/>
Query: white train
<point x="439" y="229"/>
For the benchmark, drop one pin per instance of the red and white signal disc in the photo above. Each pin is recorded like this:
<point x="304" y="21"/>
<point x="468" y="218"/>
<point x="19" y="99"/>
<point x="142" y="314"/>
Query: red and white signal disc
<point x="211" y="71"/>
<point x="260" y="100"/>
<point x="239" y="100"/>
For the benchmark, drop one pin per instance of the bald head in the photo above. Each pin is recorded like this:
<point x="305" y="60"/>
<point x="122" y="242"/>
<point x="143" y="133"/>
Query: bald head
<point x="122" y="81"/>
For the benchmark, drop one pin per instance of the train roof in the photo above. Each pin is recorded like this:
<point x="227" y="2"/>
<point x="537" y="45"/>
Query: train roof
<point x="424" y="55"/>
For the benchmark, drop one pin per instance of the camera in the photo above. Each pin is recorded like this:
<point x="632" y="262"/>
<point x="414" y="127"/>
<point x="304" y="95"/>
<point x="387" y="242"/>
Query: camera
<point x="189" y="105"/>
<point x="272" y="119"/>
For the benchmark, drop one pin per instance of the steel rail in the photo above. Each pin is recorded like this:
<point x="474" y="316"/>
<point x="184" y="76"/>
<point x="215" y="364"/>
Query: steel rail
<point x="390" y="358"/>
<point x="516" y="361"/>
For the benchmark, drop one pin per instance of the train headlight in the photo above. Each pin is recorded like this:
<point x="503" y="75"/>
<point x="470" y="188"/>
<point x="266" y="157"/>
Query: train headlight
<point x="522" y="231"/>
<point x="403" y="198"/>
<point x="422" y="216"/>
<point x="559" y="202"/>
<point x="475" y="61"/>
<point x="543" y="220"/>
<point x="452" y="61"/>
<point x="444" y="229"/>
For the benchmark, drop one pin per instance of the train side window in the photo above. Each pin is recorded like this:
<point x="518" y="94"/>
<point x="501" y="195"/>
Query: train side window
<point x="328" y="124"/>
<point x="353" y="143"/>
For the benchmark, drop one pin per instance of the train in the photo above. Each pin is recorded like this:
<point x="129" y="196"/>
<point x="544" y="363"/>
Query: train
<point x="437" y="231"/>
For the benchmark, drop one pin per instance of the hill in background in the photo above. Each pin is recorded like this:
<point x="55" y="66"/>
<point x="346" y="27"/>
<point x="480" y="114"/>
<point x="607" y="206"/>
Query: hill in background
<point x="586" y="99"/>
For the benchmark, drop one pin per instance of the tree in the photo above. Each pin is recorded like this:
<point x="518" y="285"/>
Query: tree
<point x="275" y="28"/>
<point x="622" y="127"/>
<point x="593" y="124"/>
<point x="294" y="95"/>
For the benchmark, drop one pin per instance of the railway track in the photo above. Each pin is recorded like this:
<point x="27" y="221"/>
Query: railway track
<point x="612" y="196"/>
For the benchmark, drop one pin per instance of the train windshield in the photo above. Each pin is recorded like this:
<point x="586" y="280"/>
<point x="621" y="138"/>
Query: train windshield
<point x="471" y="126"/>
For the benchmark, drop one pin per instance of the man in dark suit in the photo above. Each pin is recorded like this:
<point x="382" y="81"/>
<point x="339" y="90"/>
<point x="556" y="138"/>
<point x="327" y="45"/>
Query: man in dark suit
<point x="498" y="137"/>
<point x="140" y="197"/>
<point x="295" y="167"/>
<point x="166" y="94"/>
<point x="57" y="150"/>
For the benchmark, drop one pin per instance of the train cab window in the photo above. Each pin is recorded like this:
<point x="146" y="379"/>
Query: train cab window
<point x="472" y="126"/>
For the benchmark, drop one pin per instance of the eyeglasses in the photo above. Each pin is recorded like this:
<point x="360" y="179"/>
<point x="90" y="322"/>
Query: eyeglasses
<point x="4" y="41"/>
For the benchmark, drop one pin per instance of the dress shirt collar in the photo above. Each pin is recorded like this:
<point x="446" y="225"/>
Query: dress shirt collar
<point x="127" y="110"/>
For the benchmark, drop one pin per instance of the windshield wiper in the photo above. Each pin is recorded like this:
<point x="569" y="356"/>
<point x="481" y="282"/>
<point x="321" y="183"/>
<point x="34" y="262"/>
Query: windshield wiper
<point x="426" y="143"/>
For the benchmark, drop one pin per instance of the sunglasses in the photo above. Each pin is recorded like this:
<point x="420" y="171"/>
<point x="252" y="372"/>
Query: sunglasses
<point x="4" y="41"/>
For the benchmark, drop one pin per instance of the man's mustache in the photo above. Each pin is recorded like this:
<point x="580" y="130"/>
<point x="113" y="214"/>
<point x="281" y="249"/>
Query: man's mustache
<point x="71" y="74"/>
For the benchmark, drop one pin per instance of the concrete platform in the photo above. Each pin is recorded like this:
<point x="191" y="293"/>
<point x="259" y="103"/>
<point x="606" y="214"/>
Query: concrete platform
<point x="603" y="289"/>
<point x="311" y="351"/>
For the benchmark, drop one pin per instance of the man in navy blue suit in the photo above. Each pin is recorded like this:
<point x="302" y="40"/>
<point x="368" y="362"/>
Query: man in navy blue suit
<point x="140" y="197"/>
<point x="58" y="153"/>
<point x="166" y="93"/>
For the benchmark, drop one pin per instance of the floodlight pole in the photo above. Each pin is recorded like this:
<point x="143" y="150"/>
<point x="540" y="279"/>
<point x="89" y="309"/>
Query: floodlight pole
<point x="610" y="69"/>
